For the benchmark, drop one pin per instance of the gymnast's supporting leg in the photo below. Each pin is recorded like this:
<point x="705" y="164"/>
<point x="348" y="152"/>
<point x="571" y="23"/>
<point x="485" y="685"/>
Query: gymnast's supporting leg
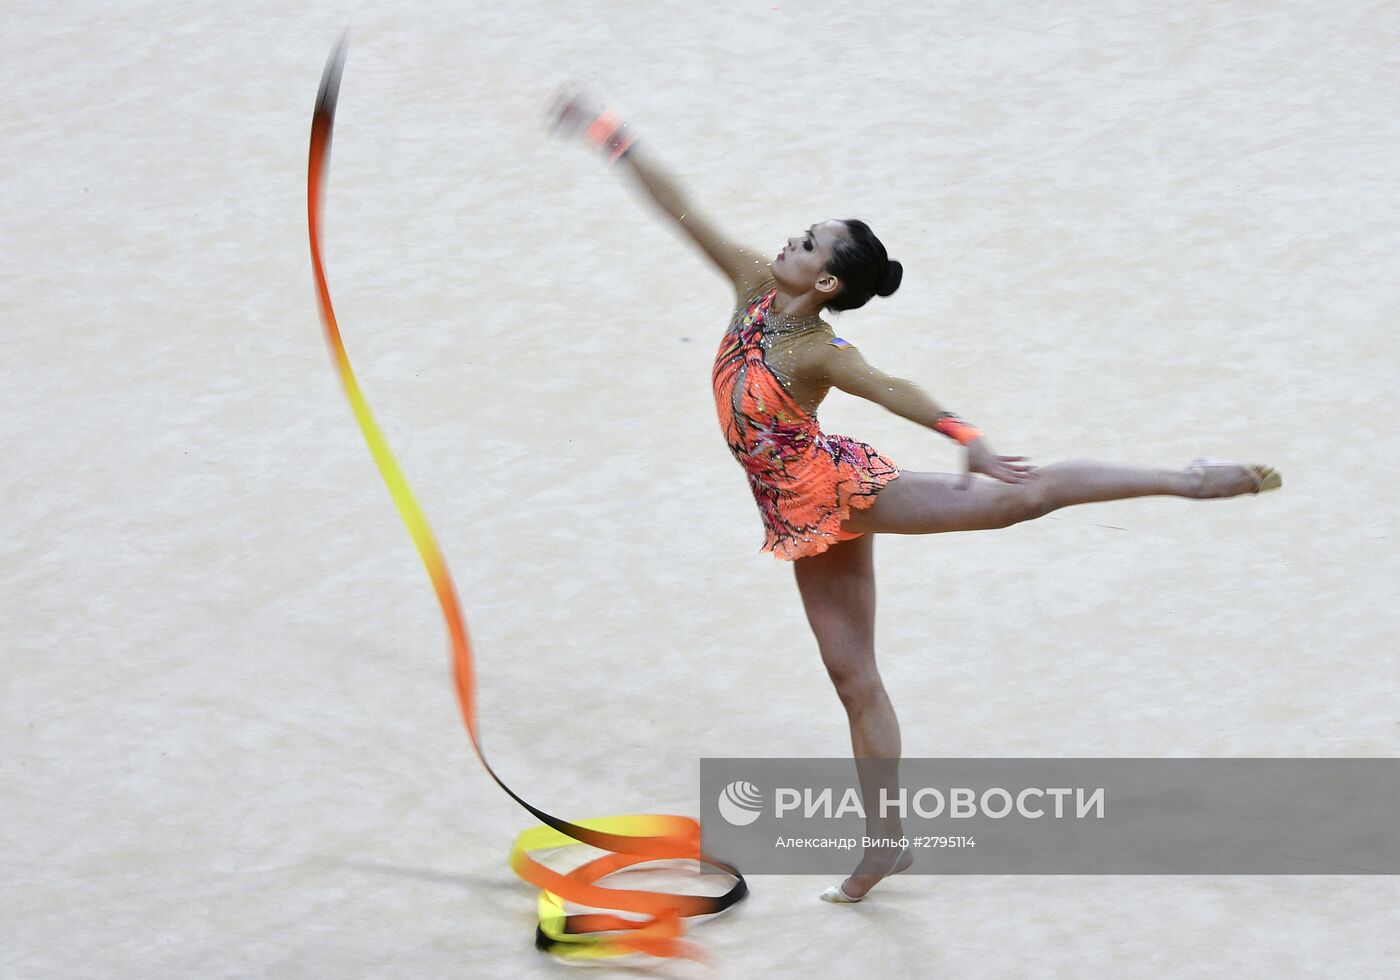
<point x="929" y="503"/>
<point x="838" y="592"/>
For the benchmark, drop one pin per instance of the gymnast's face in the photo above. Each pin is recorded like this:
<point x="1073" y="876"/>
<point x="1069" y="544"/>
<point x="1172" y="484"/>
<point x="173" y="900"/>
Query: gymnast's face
<point x="801" y="265"/>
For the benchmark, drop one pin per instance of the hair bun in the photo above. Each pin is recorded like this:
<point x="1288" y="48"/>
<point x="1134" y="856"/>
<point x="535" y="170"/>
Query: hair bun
<point x="889" y="282"/>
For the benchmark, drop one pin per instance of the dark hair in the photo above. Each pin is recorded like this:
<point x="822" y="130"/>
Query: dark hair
<point x="863" y="266"/>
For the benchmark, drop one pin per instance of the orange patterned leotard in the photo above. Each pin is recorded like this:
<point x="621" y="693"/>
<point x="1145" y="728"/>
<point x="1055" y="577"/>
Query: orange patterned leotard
<point x="804" y="481"/>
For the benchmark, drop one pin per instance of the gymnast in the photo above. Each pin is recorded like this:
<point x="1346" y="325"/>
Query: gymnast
<point x="822" y="497"/>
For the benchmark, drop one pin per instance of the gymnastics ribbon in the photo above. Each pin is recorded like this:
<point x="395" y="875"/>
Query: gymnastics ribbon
<point x="630" y="839"/>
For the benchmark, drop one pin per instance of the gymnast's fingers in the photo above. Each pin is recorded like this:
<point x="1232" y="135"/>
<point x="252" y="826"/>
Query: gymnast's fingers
<point x="563" y="107"/>
<point x="572" y="110"/>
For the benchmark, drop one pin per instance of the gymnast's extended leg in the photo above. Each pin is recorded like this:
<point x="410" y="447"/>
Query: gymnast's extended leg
<point x="929" y="503"/>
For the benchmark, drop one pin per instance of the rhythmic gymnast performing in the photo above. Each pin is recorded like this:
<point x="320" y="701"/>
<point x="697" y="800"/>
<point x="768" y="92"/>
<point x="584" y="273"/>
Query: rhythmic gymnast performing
<point x="822" y="497"/>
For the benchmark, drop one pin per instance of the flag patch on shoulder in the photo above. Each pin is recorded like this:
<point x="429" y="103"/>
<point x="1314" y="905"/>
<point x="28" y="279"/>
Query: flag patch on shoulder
<point x="838" y="342"/>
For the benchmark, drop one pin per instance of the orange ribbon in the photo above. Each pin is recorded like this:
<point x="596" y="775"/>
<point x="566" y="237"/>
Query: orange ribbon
<point x="632" y="838"/>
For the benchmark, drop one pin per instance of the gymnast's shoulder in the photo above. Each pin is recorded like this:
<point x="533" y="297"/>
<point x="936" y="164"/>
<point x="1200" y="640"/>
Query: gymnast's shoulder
<point x="752" y="287"/>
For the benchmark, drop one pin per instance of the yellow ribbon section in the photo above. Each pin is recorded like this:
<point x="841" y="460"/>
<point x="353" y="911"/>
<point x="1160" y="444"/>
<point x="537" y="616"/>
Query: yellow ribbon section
<point x="629" y="839"/>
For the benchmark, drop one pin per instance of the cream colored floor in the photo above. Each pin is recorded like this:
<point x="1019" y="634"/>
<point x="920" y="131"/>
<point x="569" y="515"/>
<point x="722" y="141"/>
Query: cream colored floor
<point x="1133" y="230"/>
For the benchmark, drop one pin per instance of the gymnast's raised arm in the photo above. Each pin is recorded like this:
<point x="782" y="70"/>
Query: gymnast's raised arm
<point x="743" y="267"/>
<point x="574" y="114"/>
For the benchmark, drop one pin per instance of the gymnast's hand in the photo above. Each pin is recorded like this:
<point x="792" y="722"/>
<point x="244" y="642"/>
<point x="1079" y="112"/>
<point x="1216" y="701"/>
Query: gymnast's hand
<point x="1008" y="469"/>
<point x="571" y="112"/>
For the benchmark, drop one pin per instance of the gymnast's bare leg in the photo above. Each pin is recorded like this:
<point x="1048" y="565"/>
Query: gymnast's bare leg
<point x="838" y="593"/>
<point x="930" y="503"/>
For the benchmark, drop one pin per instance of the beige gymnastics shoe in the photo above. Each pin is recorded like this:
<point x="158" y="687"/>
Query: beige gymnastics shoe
<point x="1265" y="477"/>
<point x="837" y="892"/>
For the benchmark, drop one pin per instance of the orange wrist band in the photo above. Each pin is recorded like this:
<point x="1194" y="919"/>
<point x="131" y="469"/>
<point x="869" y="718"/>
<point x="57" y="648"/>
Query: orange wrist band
<point x="955" y="428"/>
<point x="605" y="132"/>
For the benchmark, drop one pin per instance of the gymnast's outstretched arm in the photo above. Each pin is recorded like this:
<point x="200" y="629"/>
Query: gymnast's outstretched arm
<point x="575" y="113"/>
<point x="845" y="368"/>
<point x="743" y="267"/>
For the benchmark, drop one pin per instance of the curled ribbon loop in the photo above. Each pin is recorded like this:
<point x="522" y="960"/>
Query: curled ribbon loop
<point x="630" y="839"/>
